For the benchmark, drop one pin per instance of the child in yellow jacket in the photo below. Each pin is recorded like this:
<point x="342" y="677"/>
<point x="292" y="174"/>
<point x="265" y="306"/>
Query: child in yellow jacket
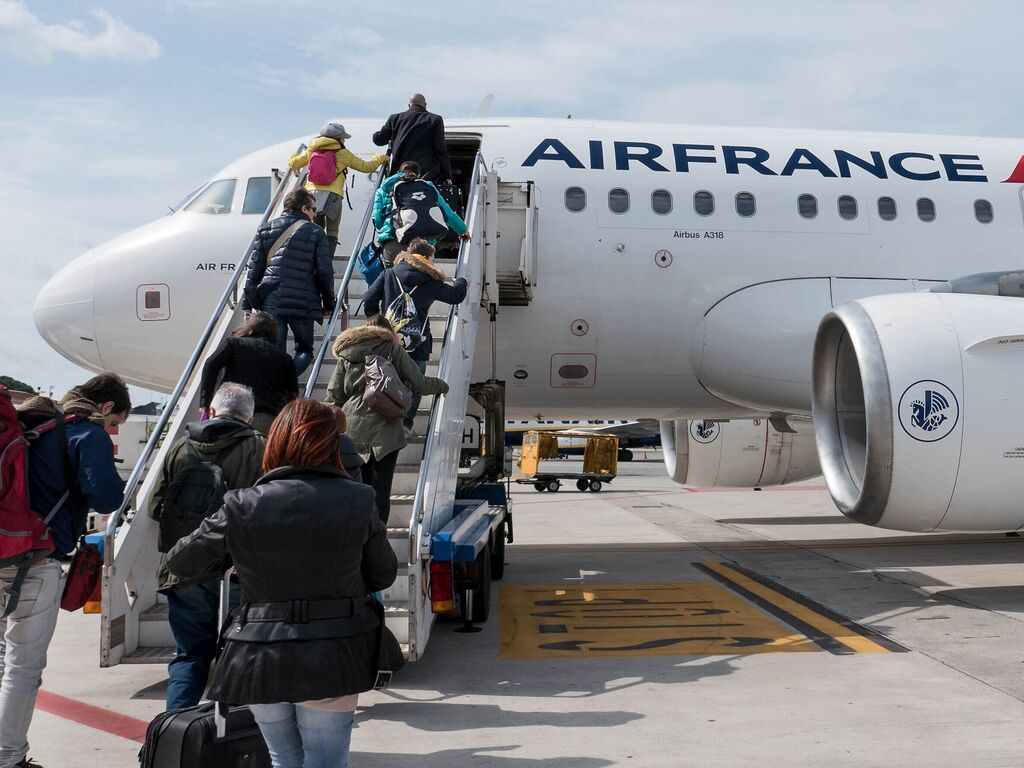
<point x="329" y="195"/>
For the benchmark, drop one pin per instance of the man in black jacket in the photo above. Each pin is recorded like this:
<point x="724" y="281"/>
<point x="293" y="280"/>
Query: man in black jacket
<point x="415" y="270"/>
<point x="417" y="135"/>
<point x="291" y="275"/>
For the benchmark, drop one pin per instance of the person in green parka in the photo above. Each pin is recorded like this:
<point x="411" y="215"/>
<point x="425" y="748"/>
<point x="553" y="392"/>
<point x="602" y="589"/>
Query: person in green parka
<point x="377" y="439"/>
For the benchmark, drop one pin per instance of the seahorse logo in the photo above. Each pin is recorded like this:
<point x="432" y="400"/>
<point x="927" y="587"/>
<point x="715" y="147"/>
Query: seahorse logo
<point x="928" y="411"/>
<point x="704" y="431"/>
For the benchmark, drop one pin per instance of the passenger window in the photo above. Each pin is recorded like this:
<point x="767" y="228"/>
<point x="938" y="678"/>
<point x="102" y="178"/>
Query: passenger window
<point x="216" y="198"/>
<point x="983" y="211"/>
<point x="661" y="202"/>
<point x="807" y="205"/>
<point x="925" y="209"/>
<point x="746" y="205"/>
<point x="618" y="200"/>
<point x="847" y="207"/>
<point x="257" y="195"/>
<point x="886" y="208"/>
<point x="575" y="199"/>
<point x="704" y="203"/>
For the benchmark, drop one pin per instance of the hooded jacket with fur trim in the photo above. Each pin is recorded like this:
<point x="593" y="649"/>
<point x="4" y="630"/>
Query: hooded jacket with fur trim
<point x="371" y="431"/>
<point x="414" y="271"/>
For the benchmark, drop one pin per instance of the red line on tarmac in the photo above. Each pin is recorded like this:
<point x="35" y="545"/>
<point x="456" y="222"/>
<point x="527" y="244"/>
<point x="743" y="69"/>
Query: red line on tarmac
<point x="94" y="717"/>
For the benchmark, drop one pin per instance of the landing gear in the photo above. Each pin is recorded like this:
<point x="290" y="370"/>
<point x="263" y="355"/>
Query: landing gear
<point x="625" y="454"/>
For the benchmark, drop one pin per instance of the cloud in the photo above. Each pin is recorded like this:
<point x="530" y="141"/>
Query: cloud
<point x="26" y="37"/>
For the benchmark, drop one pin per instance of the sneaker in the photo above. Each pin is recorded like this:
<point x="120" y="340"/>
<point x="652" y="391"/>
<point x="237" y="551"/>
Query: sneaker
<point x="411" y="433"/>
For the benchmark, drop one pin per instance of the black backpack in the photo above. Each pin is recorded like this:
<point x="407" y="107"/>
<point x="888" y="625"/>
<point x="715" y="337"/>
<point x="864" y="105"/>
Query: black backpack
<point x="416" y="211"/>
<point x="195" y="492"/>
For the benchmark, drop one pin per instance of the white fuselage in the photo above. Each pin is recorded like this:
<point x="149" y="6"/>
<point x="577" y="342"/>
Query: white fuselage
<point x="645" y="310"/>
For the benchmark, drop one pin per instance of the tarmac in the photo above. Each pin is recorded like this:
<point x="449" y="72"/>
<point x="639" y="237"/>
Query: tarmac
<point x="655" y="625"/>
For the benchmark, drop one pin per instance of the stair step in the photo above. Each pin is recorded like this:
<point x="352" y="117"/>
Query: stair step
<point x="160" y="654"/>
<point x="157" y="612"/>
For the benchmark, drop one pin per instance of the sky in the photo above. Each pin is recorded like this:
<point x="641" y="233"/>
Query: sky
<point x="112" y="111"/>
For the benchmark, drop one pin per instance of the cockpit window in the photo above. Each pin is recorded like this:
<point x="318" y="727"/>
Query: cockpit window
<point x="216" y="198"/>
<point x="185" y="199"/>
<point x="257" y="195"/>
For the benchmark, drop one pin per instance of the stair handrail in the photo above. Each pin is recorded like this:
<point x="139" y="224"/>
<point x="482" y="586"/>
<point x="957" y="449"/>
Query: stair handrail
<point x="156" y="435"/>
<point x="418" y="505"/>
<point x="340" y="302"/>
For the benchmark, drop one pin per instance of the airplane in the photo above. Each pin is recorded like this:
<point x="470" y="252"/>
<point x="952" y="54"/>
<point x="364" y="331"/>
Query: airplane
<point x="785" y="302"/>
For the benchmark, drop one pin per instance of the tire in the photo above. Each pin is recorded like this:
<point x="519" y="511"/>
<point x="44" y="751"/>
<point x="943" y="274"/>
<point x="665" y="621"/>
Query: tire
<point x="595" y="486"/>
<point x="498" y="556"/>
<point x="553" y="486"/>
<point x="581" y="484"/>
<point x="482" y="587"/>
<point x="625" y="454"/>
<point x="540" y="487"/>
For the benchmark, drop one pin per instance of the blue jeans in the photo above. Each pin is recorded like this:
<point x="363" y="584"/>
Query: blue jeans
<point x="192" y="613"/>
<point x="303" y="737"/>
<point x="410" y="416"/>
<point x="302" y="332"/>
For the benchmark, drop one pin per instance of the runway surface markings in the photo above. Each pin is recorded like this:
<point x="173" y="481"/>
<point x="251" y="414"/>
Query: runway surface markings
<point x="91" y="716"/>
<point x="603" y="620"/>
<point x="828" y="629"/>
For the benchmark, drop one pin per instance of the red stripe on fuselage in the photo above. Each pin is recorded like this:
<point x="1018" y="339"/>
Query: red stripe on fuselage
<point x="1017" y="177"/>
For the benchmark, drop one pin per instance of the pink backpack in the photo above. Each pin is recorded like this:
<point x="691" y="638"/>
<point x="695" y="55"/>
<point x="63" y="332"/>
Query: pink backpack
<point x="323" y="167"/>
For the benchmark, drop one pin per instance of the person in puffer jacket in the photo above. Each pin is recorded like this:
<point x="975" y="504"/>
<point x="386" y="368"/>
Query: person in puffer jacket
<point x="328" y="196"/>
<point x="291" y="274"/>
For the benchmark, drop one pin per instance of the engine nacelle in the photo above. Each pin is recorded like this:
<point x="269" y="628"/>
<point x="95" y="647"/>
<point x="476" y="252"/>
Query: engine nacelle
<point x="916" y="405"/>
<point x="738" y="454"/>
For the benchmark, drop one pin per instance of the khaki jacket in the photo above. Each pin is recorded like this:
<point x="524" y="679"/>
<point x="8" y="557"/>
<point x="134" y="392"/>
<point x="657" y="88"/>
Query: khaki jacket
<point x="346" y="159"/>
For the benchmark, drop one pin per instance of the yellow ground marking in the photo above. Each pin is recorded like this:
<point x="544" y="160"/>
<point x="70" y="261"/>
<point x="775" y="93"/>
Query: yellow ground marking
<point x="853" y="640"/>
<point x="602" y="620"/>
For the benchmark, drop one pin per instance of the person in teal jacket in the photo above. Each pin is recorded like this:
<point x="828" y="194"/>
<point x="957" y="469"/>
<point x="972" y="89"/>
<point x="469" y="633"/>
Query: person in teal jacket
<point x="382" y="207"/>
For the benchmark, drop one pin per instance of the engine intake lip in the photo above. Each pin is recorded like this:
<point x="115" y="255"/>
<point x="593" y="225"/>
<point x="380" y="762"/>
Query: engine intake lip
<point x="852" y="409"/>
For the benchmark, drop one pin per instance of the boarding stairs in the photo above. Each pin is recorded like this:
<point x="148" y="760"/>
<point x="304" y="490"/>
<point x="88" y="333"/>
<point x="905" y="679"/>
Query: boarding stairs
<point x="134" y="626"/>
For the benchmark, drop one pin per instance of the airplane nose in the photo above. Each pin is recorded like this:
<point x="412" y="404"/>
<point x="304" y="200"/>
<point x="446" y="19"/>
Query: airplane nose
<point x="63" y="313"/>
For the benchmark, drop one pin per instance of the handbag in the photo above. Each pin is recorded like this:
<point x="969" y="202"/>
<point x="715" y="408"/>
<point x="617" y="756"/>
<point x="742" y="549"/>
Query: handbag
<point x="389" y="652"/>
<point x="369" y="263"/>
<point x="385" y="392"/>
<point x="84" y="577"/>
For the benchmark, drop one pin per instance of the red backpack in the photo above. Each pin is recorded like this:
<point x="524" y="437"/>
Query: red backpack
<point x="24" y="536"/>
<point x="323" y="167"/>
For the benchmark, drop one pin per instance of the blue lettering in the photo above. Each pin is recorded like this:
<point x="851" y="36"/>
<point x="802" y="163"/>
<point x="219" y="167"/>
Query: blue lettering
<point x="683" y="158"/>
<point x="876" y="167"/>
<point x="756" y="161"/>
<point x="805" y="160"/>
<point x="561" y="152"/>
<point x="897" y="160"/>
<point x="953" y="168"/>
<point x="596" y="156"/>
<point x="640" y="151"/>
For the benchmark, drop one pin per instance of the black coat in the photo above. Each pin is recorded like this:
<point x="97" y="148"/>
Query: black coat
<point x="298" y="281"/>
<point x="416" y="135"/>
<point x="414" y="271"/>
<point x="301" y="539"/>
<point x="263" y="367"/>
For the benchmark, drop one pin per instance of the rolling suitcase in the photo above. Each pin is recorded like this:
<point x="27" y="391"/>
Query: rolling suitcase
<point x="188" y="738"/>
<point x="208" y="735"/>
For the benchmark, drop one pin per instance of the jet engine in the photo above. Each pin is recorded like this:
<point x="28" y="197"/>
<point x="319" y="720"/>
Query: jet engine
<point x="739" y="454"/>
<point x="917" y="410"/>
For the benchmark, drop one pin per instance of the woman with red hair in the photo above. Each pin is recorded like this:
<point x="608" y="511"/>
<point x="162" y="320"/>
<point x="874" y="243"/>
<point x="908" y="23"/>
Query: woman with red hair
<point x="308" y="548"/>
